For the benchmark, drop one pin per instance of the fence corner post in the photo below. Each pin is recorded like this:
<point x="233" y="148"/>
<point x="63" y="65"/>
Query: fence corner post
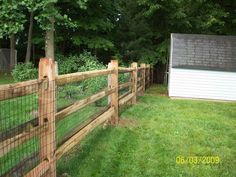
<point x="143" y="65"/>
<point x="113" y="83"/>
<point x="46" y="110"/>
<point x="134" y="65"/>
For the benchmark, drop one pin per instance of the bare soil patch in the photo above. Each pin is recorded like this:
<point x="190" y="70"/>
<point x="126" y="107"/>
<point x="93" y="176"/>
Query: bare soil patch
<point x="124" y="122"/>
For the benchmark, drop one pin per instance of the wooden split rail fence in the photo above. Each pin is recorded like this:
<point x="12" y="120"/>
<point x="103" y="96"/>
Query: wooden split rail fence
<point x="44" y="125"/>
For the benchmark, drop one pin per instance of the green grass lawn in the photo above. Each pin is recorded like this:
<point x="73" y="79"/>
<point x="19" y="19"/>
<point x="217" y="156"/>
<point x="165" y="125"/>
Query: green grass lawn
<point x="5" y="78"/>
<point x="158" y="130"/>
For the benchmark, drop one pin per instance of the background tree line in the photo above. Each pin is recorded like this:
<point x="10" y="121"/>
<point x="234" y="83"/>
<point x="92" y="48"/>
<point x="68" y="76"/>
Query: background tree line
<point x="131" y="30"/>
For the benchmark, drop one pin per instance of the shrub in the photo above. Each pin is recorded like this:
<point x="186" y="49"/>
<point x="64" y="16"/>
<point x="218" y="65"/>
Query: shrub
<point x="80" y="63"/>
<point x="90" y="63"/>
<point x="67" y="64"/>
<point x="70" y="91"/>
<point x="24" y="71"/>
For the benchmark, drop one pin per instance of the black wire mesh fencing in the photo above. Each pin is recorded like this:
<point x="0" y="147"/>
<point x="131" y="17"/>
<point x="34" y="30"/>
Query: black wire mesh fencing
<point x="41" y="120"/>
<point x="21" y="131"/>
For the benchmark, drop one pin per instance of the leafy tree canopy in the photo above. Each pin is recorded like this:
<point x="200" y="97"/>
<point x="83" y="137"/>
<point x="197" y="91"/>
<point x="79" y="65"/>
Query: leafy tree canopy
<point x="134" y="30"/>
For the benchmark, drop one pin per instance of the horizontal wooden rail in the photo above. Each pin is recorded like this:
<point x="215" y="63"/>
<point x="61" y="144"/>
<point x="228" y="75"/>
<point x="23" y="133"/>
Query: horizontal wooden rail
<point x="82" y="133"/>
<point x="79" y="76"/>
<point x="9" y="133"/>
<point x="82" y="125"/>
<point x="125" y="85"/>
<point x="82" y="103"/>
<point x="140" y="88"/>
<point x="40" y="170"/>
<point x="141" y="68"/>
<point x="9" y="91"/>
<point x="125" y="70"/>
<point x="125" y="99"/>
<point x="9" y="144"/>
<point x="124" y="94"/>
<point x="23" y="166"/>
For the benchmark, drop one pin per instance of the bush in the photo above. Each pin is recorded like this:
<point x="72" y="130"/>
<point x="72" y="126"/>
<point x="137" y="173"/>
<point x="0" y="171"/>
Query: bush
<point x="24" y="71"/>
<point x="84" y="62"/>
<point x="67" y="64"/>
<point x="80" y="63"/>
<point x="90" y="63"/>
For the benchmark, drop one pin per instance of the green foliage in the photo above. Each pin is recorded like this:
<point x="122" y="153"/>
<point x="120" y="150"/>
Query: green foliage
<point x="90" y="27"/>
<point x="13" y="14"/>
<point x="124" y="77"/>
<point x="84" y="62"/>
<point x="24" y="71"/>
<point x="133" y="30"/>
<point x="70" y="92"/>
<point x="11" y="18"/>
<point x="88" y="62"/>
<point x="93" y="43"/>
<point x="74" y="63"/>
<point x="6" y="78"/>
<point x="67" y="64"/>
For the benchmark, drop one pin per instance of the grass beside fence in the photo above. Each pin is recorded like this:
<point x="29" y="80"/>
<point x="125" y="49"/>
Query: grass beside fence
<point x="5" y="78"/>
<point x="153" y="133"/>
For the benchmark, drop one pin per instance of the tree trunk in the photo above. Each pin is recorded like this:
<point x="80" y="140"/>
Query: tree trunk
<point x="29" y="42"/>
<point x="12" y="52"/>
<point x="33" y="54"/>
<point x="49" y="42"/>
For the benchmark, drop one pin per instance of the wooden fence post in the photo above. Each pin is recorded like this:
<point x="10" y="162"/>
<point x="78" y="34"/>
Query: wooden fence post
<point x="143" y="76"/>
<point x="46" y="110"/>
<point x="134" y="81"/>
<point x="114" y="97"/>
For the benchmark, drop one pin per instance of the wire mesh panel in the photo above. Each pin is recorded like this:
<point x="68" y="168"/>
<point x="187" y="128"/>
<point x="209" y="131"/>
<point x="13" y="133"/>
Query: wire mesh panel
<point x="73" y="94"/>
<point x="40" y="120"/>
<point x="26" y="124"/>
<point x="139" y="78"/>
<point x="19" y="146"/>
<point x="124" y="78"/>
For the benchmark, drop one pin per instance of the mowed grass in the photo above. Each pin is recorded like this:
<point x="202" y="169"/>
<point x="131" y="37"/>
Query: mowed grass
<point x="5" y="78"/>
<point x="160" y="130"/>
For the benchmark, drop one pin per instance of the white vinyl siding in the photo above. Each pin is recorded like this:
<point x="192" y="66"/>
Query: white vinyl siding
<point x="202" y="84"/>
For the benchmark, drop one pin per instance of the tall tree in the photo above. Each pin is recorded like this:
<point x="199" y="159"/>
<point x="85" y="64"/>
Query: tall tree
<point x="50" y="17"/>
<point x="49" y="39"/>
<point x="89" y="27"/>
<point x="11" y="22"/>
<point x="29" y="41"/>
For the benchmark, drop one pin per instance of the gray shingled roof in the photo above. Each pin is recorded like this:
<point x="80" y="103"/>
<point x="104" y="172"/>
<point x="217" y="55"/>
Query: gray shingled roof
<point x="205" y="52"/>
